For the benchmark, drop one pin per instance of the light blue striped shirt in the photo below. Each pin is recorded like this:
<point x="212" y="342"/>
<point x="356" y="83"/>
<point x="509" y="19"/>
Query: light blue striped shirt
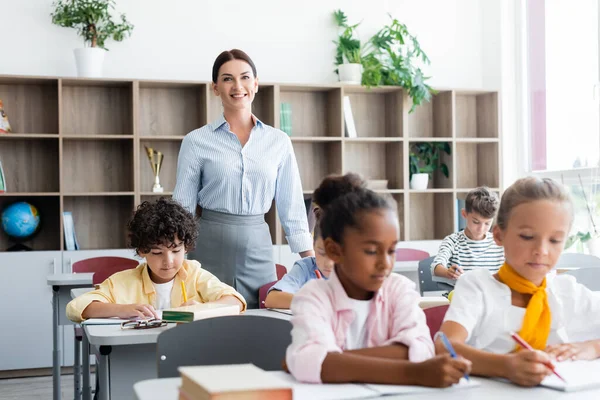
<point x="215" y="172"/>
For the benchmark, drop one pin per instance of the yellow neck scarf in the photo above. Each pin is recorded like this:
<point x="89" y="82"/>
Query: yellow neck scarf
<point x="536" y="323"/>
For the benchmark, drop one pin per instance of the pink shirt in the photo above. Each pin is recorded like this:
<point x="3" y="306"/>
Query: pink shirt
<point x="322" y="313"/>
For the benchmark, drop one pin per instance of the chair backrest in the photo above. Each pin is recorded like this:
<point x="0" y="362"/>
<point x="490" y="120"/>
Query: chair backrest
<point x="262" y="293"/>
<point x="236" y="339"/>
<point x="588" y="277"/>
<point x="281" y="270"/>
<point x="435" y="317"/>
<point x="410" y="255"/>
<point x="426" y="284"/>
<point x="103" y="267"/>
<point x="577" y="260"/>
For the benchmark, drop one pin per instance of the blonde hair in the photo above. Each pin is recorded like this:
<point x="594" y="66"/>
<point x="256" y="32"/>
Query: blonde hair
<point x="530" y="189"/>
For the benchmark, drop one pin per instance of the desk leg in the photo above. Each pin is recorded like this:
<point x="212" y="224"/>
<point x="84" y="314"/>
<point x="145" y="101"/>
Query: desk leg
<point x="56" y="350"/>
<point x="104" y="373"/>
<point x="85" y="367"/>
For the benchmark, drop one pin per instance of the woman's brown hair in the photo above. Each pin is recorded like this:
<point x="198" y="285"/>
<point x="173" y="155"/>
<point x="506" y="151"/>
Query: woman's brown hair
<point x="229" y="55"/>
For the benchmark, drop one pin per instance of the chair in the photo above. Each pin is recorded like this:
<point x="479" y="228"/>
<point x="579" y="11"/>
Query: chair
<point x="410" y="255"/>
<point x="264" y="289"/>
<point x="435" y="317"/>
<point x="426" y="283"/>
<point x="577" y="260"/>
<point x="102" y="267"/>
<point x="236" y="339"/>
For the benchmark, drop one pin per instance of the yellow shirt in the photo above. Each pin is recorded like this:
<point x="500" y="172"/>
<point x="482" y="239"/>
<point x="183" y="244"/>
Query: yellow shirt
<point x="134" y="286"/>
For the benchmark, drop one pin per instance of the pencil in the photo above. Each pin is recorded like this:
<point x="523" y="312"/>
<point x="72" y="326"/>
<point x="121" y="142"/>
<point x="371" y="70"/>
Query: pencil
<point x="183" y="292"/>
<point x="526" y="345"/>
<point x="449" y="347"/>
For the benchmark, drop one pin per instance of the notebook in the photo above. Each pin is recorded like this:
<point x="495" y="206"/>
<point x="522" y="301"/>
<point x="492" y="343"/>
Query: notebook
<point x="104" y="321"/>
<point x="199" y="311"/>
<point x="223" y="382"/>
<point x="385" y="390"/>
<point x="580" y="375"/>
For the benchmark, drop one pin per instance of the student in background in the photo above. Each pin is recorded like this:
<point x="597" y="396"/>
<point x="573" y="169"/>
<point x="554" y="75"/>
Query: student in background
<point x="162" y="232"/>
<point x="320" y="266"/>
<point x="473" y="247"/>
<point x="364" y="323"/>
<point x="554" y="314"/>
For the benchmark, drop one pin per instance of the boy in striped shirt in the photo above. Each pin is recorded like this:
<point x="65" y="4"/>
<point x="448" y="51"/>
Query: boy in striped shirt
<point x="473" y="247"/>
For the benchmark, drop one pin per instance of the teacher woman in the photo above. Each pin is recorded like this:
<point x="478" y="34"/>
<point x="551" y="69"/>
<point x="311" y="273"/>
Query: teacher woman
<point x="232" y="170"/>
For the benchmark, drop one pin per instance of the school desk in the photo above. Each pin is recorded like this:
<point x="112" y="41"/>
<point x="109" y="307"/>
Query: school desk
<point x="128" y="356"/>
<point x="168" y="389"/>
<point x="61" y="288"/>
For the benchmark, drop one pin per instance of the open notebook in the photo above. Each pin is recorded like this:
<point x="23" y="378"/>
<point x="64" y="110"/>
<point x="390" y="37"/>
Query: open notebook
<point x="580" y="375"/>
<point x="385" y="390"/>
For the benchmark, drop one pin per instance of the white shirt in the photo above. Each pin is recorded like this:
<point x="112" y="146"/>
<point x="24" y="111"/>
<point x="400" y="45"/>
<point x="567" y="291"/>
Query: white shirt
<point x="163" y="294"/>
<point x="356" y="338"/>
<point x="483" y="306"/>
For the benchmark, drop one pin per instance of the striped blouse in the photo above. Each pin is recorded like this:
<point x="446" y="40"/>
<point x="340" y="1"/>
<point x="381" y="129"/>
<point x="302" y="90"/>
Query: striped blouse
<point x="458" y="249"/>
<point x="215" y="172"/>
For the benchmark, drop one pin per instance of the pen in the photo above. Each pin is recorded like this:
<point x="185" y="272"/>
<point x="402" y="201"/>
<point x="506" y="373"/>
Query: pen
<point x="449" y="347"/>
<point x="318" y="273"/>
<point x="526" y="345"/>
<point x="184" y="292"/>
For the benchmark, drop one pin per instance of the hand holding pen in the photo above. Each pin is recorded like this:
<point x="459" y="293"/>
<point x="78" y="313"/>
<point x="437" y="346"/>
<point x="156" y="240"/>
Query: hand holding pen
<point x="548" y="363"/>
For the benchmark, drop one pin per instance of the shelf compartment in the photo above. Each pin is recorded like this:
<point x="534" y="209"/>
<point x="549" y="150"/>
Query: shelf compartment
<point x="476" y="115"/>
<point x="433" y="119"/>
<point x="438" y="180"/>
<point x="48" y="236"/>
<point x="316" y="111"/>
<point x="171" y="109"/>
<point x="97" y="108"/>
<point x="477" y="165"/>
<point x="376" y="161"/>
<point x="97" y="166"/>
<point x="100" y="222"/>
<point x="30" y="165"/>
<point x="168" y="171"/>
<point x="31" y="105"/>
<point x="377" y="114"/>
<point x="316" y="161"/>
<point x="399" y="200"/>
<point x="431" y="215"/>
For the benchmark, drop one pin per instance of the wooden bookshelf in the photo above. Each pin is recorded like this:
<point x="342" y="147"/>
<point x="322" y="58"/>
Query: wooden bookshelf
<point x="79" y="145"/>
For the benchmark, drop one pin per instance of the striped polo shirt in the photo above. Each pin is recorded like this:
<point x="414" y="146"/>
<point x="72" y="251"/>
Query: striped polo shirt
<point x="458" y="249"/>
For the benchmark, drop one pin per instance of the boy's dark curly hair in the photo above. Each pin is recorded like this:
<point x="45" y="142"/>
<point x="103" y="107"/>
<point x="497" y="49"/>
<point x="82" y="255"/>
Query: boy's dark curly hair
<point x="158" y="223"/>
<point x="341" y="198"/>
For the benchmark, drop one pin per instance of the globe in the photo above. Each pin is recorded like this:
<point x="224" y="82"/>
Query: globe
<point x="20" y="220"/>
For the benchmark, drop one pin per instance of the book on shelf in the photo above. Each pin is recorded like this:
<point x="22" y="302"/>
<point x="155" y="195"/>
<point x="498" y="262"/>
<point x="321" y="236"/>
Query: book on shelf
<point x="310" y="213"/>
<point x="460" y="221"/>
<point x="199" y="311"/>
<point x="69" y="229"/>
<point x="2" y="179"/>
<point x="232" y="382"/>
<point x="350" y="128"/>
<point x="285" y="118"/>
<point x="4" y="124"/>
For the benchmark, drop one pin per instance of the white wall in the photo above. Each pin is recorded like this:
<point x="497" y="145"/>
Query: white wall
<point x="289" y="41"/>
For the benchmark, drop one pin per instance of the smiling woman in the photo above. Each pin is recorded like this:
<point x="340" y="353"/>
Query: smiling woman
<point x="229" y="172"/>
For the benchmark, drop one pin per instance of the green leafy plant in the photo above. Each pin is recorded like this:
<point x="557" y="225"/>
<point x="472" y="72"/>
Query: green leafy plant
<point x="424" y="158"/>
<point x="348" y="45"/>
<point x="390" y="57"/>
<point x="582" y="237"/>
<point x="92" y="19"/>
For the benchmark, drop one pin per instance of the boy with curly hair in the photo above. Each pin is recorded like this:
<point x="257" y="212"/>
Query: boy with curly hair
<point x="162" y="232"/>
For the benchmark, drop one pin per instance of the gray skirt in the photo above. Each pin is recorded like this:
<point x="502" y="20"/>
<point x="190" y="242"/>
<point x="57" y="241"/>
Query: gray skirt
<point x="238" y="250"/>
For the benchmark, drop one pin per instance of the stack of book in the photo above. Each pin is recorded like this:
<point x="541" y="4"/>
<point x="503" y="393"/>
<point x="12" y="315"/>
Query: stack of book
<point x="231" y="382"/>
<point x="285" y="117"/>
<point x="199" y="311"/>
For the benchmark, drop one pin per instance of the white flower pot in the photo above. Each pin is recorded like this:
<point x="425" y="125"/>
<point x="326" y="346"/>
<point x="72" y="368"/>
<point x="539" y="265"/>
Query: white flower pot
<point x="593" y="246"/>
<point x="350" y="73"/>
<point x="419" y="181"/>
<point x="89" y="61"/>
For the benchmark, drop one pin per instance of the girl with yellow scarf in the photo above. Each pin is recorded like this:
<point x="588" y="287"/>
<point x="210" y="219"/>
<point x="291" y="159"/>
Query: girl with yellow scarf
<point x="554" y="314"/>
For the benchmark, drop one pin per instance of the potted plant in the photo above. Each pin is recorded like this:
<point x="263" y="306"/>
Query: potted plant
<point x="424" y="159"/>
<point x="591" y="238"/>
<point x="348" y="49"/>
<point x="390" y="57"/>
<point x="95" y="24"/>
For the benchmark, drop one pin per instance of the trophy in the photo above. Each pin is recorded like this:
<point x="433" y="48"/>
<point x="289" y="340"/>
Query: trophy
<point x="156" y="159"/>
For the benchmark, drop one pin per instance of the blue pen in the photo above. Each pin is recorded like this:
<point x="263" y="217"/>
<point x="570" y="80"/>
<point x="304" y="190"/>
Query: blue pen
<point x="449" y="347"/>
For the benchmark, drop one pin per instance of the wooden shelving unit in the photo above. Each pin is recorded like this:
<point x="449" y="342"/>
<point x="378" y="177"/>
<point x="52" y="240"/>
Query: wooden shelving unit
<point x="78" y="145"/>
